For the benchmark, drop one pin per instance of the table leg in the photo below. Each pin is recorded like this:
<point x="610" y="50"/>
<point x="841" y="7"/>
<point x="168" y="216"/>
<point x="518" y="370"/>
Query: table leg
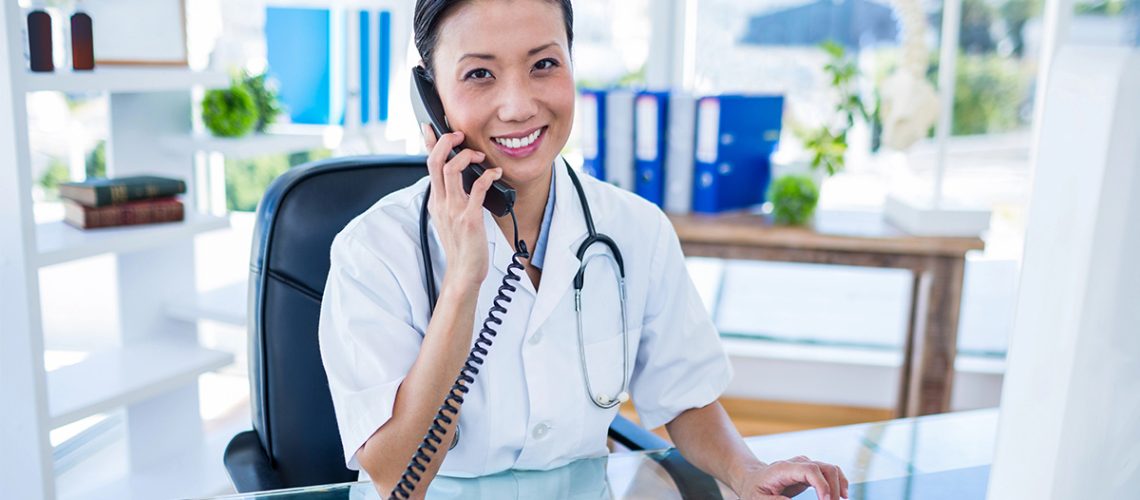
<point x="932" y="338"/>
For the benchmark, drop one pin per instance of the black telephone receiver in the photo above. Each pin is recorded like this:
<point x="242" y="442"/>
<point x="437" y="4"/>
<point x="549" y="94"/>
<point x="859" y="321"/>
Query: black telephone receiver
<point x="500" y="197"/>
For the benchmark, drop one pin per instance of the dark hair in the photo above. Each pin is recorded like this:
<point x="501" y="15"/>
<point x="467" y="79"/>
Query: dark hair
<point x="430" y="12"/>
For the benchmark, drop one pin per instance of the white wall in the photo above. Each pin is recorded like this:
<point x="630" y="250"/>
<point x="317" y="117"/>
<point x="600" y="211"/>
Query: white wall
<point x="1070" y="418"/>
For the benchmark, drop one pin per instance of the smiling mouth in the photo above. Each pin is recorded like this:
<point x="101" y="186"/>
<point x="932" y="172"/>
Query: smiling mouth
<point x="519" y="142"/>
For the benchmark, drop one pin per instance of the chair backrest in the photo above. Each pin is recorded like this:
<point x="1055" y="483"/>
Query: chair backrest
<point x="301" y="213"/>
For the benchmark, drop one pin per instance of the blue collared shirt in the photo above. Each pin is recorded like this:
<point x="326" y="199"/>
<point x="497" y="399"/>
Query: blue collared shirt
<point x="544" y="229"/>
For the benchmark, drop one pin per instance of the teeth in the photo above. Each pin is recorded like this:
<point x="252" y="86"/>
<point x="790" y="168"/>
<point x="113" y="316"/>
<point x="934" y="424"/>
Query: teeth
<point x="516" y="143"/>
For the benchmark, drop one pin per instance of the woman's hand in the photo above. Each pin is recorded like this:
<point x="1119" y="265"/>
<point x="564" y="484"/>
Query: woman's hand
<point x="458" y="217"/>
<point x="784" y="479"/>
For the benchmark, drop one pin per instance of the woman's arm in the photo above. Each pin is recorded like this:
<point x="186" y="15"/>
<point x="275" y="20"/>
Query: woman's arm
<point x="386" y="454"/>
<point x="458" y="218"/>
<point x="707" y="438"/>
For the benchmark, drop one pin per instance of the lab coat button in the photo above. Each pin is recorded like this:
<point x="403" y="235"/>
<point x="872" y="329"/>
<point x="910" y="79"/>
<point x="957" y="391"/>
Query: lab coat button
<point x="540" y="430"/>
<point x="536" y="338"/>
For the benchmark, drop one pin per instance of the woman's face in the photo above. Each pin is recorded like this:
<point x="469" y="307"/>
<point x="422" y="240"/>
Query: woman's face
<point x="503" y="72"/>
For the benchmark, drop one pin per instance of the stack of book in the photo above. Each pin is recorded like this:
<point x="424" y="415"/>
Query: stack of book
<point x="122" y="201"/>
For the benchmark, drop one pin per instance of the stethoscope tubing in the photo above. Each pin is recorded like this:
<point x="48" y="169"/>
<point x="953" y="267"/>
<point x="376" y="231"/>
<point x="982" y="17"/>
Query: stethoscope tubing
<point x="602" y="401"/>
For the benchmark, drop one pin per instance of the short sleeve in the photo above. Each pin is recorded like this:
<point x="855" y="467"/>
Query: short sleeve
<point x="680" y="361"/>
<point x="368" y="341"/>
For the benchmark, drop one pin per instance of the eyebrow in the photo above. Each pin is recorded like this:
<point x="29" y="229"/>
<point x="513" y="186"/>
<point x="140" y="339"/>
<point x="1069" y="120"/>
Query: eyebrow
<point x="529" y="53"/>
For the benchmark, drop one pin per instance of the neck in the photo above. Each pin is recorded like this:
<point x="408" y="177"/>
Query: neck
<point x="530" y="203"/>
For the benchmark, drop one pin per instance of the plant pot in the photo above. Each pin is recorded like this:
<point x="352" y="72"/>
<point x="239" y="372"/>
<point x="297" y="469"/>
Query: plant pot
<point x="794" y="198"/>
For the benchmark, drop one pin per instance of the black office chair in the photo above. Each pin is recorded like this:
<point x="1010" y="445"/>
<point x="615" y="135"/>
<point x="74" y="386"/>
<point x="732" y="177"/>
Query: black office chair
<point x="294" y="441"/>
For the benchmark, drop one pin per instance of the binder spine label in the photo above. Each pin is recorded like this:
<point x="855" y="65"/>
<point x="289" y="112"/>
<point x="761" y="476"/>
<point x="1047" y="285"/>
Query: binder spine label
<point x="588" y="111"/>
<point x="645" y="129"/>
<point x="708" y="125"/>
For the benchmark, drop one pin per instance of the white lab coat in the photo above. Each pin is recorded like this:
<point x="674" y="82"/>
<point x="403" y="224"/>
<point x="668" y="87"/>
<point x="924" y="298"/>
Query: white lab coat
<point x="529" y="407"/>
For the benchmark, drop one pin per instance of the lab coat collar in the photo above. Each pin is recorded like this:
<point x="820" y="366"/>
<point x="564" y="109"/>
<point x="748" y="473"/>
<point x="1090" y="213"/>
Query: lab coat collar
<point x="567" y="231"/>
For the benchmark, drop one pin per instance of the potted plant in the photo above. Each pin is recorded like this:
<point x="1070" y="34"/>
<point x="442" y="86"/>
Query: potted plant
<point x="794" y="192"/>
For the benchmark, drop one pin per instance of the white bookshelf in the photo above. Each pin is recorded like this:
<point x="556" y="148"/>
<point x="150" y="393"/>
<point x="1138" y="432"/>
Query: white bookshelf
<point x="124" y="79"/>
<point x="151" y="373"/>
<point x="118" y="377"/>
<point x="196" y="466"/>
<point x="290" y="140"/>
<point x="59" y="242"/>
<point x="227" y="304"/>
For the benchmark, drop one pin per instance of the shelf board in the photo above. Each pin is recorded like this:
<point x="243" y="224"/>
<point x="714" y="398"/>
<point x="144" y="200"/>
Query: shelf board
<point x="58" y="242"/>
<point x="226" y="304"/>
<point x="123" y="80"/>
<point x="118" y="377"/>
<point x="196" y="472"/>
<point x="273" y="142"/>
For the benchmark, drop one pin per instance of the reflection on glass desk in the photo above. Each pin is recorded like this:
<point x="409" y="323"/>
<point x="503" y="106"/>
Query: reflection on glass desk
<point x="938" y="457"/>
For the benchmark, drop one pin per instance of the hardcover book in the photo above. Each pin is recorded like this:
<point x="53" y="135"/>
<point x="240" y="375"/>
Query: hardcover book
<point x="101" y="192"/>
<point x="123" y="214"/>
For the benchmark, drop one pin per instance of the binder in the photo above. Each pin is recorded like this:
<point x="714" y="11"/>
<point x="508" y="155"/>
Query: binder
<point x="591" y="129"/>
<point x="735" y="137"/>
<point x="309" y="69"/>
<point x="618" y="127"/>
<point x="651" y="114"/>
<point x="679" y="153"/>
<point x="375" y="57"/>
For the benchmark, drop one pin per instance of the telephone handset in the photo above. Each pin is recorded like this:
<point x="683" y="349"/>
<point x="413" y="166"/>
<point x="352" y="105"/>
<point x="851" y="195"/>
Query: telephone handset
<point x="429" y="110"/>
<point x="500" y="200"/>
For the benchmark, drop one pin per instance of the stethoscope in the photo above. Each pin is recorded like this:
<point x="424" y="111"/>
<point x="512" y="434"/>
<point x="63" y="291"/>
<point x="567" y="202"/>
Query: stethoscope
<point x="601" y="400"/>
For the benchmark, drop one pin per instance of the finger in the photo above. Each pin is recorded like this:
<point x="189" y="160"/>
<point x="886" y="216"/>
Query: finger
<point x="810" y="473"/>
<point x="843" y="483"/>
<point x="481" y="186"/>
<point x="429" y="136"/>
<point x="437" y="157"/>
<point x="831" y="472"/>
<point x="452" y="177"/>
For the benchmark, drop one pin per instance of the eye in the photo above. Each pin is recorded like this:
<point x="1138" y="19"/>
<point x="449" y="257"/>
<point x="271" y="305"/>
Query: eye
<point x="478" y="74"/>
<point x="545" y="64"/>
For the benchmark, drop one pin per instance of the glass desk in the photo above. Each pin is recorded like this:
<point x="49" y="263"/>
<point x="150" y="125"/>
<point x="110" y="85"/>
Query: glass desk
<point x="938" y="457"/>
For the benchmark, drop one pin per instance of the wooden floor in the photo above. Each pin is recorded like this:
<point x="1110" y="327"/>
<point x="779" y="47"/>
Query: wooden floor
<point x="758" y="417"/>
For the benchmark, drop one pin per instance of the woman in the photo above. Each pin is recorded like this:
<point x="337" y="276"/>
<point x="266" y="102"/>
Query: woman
<point x="503" y="72"/>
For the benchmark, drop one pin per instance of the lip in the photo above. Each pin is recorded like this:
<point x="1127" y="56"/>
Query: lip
<point x="518" y="135"/>
<point x="525" y="151"/>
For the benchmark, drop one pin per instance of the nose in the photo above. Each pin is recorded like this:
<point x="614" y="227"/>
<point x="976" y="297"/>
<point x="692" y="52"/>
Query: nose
<point x="518" y="101"/>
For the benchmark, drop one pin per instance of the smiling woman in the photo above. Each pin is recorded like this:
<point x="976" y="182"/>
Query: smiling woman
<point x="545" y="395"/>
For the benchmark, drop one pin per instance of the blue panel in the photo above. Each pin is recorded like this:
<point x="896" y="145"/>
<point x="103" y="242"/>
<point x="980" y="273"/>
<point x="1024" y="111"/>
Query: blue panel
<point x="595" y="132"/>
<point x="365" y="58"/>
<point x="298" y="45"/>
<point x="649" y="180"/>
<point x="748" y="131"/>
<point x="385" y="61"/>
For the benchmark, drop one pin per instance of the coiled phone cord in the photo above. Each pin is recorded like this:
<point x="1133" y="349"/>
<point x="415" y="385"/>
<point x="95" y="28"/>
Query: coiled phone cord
<point x="450" y="408"/>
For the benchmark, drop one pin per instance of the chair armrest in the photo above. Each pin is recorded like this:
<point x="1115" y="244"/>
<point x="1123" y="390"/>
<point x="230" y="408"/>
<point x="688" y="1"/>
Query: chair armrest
<point x="248" y="466"/>
<point x="691" y="482"/>
<point x="635" y="437"/>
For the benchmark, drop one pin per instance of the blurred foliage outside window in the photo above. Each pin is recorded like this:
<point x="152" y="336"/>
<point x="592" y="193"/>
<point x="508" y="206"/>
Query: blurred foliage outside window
<point x="247" y="180"/>
<point x="993" y="89"/>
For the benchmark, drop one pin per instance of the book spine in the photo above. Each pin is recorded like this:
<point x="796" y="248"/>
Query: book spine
<point x="109" y="195"/>
<point x="127" y="215"/>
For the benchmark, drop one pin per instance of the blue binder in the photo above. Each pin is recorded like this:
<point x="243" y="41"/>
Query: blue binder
<point x="735" y="137"/>
<point x="592" y="131"/>
<point x="679" y="153"/>
<point x="382" y="58"/>
<point x="651" y="118"/>
<point x="309" y="69"/>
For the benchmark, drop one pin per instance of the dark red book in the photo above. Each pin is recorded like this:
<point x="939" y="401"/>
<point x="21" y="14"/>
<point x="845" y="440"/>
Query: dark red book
<point x="123" y="214"/>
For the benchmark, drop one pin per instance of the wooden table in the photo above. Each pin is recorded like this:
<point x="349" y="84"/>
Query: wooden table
<point x="861" y="239"/>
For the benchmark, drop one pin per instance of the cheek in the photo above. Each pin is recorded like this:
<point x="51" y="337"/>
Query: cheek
<point x="561" y="103"/>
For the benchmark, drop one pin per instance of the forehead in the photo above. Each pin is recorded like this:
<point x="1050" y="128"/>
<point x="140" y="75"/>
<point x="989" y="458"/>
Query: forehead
<point x="504" y="28"/>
